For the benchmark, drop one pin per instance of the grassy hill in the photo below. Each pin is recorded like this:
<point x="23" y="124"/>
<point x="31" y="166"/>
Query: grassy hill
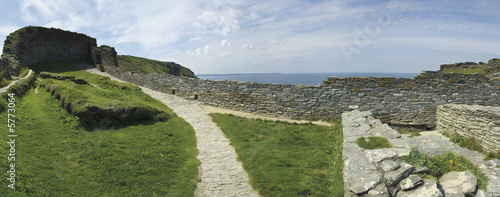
<point x="140" y="64"/>
<point x="55" y="155"/>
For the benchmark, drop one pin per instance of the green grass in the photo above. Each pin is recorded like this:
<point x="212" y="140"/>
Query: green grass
<point x="285" y="159"/>
<point x="467" y="71"/>
<point x="109" y="99"/>
<point x="5" y="78"/>
<point x="24" y="71"/>
<point x="140" y="64"/>
<point x="55" y="156"/>
<point x="442" y="164"/>
<point x="373" y="143"/>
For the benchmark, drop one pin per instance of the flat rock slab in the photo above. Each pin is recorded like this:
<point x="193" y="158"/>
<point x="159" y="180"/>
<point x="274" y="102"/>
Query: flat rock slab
<point x="377" y="155"/>
<point x="361" y="177"/>
<point x="429" y="189"/>
<point x="411" y="182"/>
<point x="392" y="178"/>
<point x="459" y="183"/>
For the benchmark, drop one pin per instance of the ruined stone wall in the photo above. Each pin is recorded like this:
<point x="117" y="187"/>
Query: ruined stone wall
<point x="479" y="122"/>
<point x="29" y="45"/>
<point x="393" y="100"/>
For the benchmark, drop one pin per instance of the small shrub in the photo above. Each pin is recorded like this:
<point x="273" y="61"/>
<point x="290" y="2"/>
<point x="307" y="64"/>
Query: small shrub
<point x="373" y="143"/>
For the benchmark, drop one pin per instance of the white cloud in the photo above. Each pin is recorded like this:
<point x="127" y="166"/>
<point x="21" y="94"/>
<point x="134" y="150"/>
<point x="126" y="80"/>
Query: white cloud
<point x="204" y="50"/>
<point x="247" y="47"/>
<point x="266" y="30"/>
<point x="6" y="30"/>
<point x="279" y="42"/>
<point x="195" y="38"/>
<point x="223" y="54"/>
<point x="225" y="43"/>
<point x="222" y="22"/>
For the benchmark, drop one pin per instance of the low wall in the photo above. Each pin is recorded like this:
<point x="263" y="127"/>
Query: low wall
<point x="397" y="101"/>
<point x="479" y="122"/>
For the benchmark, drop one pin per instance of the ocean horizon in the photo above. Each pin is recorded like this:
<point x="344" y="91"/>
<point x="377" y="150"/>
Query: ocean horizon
<point x="311" y="79"/>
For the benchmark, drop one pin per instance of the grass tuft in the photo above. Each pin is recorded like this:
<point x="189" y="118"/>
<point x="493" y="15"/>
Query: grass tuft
<point x="373" y="143"/>
<point x="442" y="164"/>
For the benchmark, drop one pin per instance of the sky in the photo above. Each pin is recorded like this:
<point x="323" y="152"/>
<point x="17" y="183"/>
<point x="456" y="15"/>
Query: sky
<point x="278" y="36"/>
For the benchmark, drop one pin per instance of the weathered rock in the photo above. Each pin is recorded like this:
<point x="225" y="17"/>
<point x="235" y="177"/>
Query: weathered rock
<point x="392" y="178"/>
<point x="363" y="176"/>
<point x="411" y="182"/>
<point x="379" y="191"/>
<point x="482" y="193"/>
<point x="389" y="165"/>
<point x="421" y="170"/>
<point x="377" y="155"/>
<point x="386" y="131"/>
<point x="459" y="183"/>
<point x="494" y="163"/>
<point x="429" y="189"/>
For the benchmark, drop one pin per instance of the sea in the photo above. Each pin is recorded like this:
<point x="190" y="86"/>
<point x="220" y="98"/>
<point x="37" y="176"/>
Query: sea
<point x="311" y="79"/>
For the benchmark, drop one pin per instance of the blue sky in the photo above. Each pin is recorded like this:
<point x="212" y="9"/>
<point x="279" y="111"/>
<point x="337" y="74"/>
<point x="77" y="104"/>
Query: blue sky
<point x="292" y="36"/>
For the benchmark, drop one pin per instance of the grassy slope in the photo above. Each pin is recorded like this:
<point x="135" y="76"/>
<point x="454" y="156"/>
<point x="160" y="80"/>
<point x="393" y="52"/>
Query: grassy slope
<point x="55" y="156"/>
<point x="109" y="93"/>
<point x="284" y="159"/>
<point x="5" y="78"/>
<point x="153" y="66"/>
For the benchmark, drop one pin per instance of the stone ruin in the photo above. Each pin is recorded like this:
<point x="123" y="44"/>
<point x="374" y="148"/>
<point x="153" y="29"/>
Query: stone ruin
<point x="381" y="172"/>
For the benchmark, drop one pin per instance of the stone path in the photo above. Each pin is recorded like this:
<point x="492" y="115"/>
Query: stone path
<point x="4" y="89"/>
<point x="220" y="171"/>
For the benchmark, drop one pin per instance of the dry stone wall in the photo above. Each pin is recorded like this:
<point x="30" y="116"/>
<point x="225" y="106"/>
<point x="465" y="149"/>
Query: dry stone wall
<point x="479" y="122"/>
<point x="32" y="44"/>
<point x="398" y="101"/>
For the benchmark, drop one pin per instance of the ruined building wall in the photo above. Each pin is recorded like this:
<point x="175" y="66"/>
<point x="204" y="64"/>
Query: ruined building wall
<point x="393" y="100"/>
<point x="479" y="122"/>
<point x="29" y="45"/>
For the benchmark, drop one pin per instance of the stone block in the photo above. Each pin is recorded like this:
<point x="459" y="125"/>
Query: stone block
<point x="459" y="183"/>
<point x="429" y="189"/>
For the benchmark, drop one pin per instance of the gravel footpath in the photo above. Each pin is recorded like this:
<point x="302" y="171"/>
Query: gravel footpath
<point x="220" y="171"/>
<point x="4" y="89"/>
